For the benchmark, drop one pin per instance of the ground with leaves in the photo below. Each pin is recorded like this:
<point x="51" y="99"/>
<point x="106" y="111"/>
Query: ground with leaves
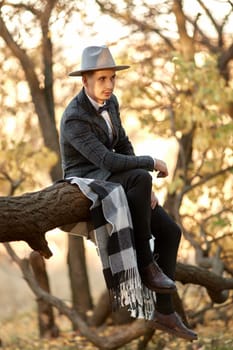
<point x="20" y="333"/>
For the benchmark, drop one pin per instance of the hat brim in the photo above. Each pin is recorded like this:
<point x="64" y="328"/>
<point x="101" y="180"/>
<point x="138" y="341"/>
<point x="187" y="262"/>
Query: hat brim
<point x="79" y="73"/>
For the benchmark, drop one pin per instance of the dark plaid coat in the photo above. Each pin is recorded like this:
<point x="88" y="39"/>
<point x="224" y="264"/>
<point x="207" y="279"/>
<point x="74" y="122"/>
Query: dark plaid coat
<point x="86" y="149"/>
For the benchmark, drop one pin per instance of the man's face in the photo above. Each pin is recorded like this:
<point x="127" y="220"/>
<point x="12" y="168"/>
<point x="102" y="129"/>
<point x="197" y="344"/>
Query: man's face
<point x="99" y="85"/>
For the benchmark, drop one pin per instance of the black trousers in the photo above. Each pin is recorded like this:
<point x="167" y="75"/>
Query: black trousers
<point x="137" y="184"/>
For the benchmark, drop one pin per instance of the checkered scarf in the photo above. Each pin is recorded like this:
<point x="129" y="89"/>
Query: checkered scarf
<point x="115" y="243"/>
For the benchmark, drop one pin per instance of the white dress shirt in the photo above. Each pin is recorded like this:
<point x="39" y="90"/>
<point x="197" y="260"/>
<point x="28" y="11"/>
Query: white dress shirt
<point x="105" y="115"/>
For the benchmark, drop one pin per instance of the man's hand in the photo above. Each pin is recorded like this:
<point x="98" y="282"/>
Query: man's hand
<point x="154" y="200"/>
<point x="161" y="167"/>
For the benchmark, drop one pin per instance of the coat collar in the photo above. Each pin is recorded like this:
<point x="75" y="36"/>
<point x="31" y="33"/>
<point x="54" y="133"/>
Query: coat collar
<point x="85" y="103"/>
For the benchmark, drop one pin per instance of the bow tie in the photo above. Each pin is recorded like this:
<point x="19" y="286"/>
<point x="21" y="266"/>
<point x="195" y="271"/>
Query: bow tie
<point x="105" y="107"/>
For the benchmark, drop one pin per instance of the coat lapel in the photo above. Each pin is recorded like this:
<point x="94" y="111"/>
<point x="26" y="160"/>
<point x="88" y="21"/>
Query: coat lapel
<point x="93" y="116"/>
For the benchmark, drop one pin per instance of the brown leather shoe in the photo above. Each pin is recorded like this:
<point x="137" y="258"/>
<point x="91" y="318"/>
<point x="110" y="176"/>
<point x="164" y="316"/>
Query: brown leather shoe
<point x="154" y="278"/>
<point x="172" y="324"/>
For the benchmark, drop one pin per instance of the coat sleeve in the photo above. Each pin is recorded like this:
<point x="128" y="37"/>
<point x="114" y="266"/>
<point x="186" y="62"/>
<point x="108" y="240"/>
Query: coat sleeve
<point x="124" y="146"/>
<point x="83" y="139"/>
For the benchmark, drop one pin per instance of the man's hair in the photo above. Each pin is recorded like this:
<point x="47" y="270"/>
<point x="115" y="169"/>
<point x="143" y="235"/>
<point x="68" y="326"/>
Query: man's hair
<point x="88" y="73"/>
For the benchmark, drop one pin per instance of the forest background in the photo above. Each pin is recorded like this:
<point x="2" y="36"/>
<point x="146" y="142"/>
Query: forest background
<point x="176" y="104"/>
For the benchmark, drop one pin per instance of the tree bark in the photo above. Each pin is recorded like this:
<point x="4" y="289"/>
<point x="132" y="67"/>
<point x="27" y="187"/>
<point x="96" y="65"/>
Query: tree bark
<point x="30" y="216"/>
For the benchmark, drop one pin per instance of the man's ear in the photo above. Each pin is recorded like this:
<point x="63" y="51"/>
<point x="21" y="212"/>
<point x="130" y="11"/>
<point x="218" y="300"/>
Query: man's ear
<point x="84" y="80"/>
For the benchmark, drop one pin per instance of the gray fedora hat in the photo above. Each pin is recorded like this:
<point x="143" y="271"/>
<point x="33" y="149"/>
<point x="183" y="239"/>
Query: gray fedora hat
<point x="97" y="58"/>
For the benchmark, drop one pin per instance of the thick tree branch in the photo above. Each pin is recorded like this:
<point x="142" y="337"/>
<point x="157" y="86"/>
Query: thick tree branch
<point x="197" y="275"/>
<point x="217" y="286"/>
<point x="30" y="216"/>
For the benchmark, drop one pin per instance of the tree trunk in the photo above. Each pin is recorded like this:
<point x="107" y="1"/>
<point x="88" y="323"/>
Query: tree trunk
<point x="81" y="296"/>
<point x="47" y="326"/>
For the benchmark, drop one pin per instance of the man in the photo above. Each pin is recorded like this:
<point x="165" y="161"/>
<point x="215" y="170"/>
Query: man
<point x="94" y="145"/>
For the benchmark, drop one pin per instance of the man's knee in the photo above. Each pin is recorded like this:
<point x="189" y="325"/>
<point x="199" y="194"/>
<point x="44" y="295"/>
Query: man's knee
<point x="162" y="222"/>
<point x="174" y="231"/>
<point x="143" y="176"/>
<point x="139" y="187"/>
<point x="177" y="231"/>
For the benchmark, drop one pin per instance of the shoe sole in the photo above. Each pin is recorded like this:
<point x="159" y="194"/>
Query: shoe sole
<point x="162" y="290"/>
<point x="171" y="331"/>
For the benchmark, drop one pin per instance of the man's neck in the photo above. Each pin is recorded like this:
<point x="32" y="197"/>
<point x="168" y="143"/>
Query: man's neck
<point x="94" y="103"/>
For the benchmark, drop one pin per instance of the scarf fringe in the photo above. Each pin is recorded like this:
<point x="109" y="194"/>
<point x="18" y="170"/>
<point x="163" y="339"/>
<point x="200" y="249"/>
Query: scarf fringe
<point x="131" y="293"/>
